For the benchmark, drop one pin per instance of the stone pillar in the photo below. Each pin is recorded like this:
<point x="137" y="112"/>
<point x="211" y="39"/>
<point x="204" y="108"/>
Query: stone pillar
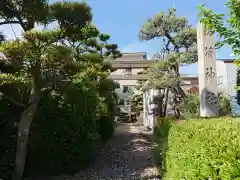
<point x="209" y="105"/>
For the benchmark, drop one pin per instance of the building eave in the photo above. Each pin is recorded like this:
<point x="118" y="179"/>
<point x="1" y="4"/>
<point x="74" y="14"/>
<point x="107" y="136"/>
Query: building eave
<point x="226" y="60"/>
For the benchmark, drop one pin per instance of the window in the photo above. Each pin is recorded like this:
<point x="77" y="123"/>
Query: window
<point x="127" y="71"/>
<point x="125" y="89"/>
<point x="186" y="82"/>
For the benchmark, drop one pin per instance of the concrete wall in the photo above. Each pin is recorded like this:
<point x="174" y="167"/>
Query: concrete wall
<point x="226" y="77"/>
<point x="149" y="120"/>
<point x="231" y="70"/>
<point x="231" y="83"/>
<point x="226" y="74"/>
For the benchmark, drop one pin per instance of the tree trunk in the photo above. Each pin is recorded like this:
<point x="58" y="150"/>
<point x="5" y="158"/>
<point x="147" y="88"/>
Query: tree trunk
<point x="159" y="106"/>
<point x="166" y="102"/>
<point x="160" y="103"/>
<point x="176" y="101"/>
<point x="177" y="113"/>
<point x="22" y="135"/>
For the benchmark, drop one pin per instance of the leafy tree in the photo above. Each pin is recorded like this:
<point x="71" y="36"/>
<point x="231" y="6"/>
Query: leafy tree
<point x="46" y="61"/>
<point x="41" y="63"/>
<point x="28" y="13"/>
<point x="226" y="28"/>
<point x="179" y="47"/>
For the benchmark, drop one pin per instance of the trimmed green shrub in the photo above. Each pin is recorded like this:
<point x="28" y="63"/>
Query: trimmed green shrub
<point x="225" y="107"/>
<point x="200" y="149"/>
<point x="8" y="133"/>
<point x="106" y="122"/>
<point x="190" y="108"/>
<point x="66" y="134"/>
<point x="106" y="127"/>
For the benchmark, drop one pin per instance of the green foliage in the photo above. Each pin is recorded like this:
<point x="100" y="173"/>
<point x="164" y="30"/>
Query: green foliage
<point x="69" y="132"/>
<point x="162" y="24"/>
<point x="106" y="127"/>
<point x="66" y="67"/>
<point x="200" y="149"/>
<point x="135" y="98"/>
<point x="8" y="131"/>
<point x="25" y="13"/>
<point x="227" y="28"/>
<point x="190" y="108"/>
<point x="70" y="15"/>
<point x="225" y="107"/>
<point x="179" y="47"/>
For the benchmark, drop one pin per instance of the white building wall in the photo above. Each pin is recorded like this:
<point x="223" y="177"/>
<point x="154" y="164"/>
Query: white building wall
<point x="231" y="70"/>
<point x="222" y="81"/>
<point x="228" y="72"/>
<point x="231" y="78"/>
<point x="122" y="71"/>
<point x="132" y="57"/>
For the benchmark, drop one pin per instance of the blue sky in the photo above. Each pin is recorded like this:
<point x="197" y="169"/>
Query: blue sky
<point x="123" y="19"/>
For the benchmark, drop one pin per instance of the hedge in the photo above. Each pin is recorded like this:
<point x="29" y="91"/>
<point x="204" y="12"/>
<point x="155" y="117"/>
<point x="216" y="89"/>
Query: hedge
<point x="65" y="136"/>
<point x="199" y="149"/>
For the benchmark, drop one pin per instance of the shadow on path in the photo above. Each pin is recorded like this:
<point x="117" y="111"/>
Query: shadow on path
<point x="127" y="156"/>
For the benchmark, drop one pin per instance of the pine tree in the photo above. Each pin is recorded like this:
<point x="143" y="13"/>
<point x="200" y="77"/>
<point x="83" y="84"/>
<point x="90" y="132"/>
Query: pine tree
<point x="47" y="60"/>
<point x="179" y="47"/>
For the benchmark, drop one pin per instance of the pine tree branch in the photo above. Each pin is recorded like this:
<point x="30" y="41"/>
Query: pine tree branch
<point x="9" y="22"/>
<point x="171" y="40"/>
<point x="18" y="103"/>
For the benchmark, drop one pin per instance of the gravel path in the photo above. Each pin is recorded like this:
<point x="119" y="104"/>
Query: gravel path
<point x="127" y="156"/>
